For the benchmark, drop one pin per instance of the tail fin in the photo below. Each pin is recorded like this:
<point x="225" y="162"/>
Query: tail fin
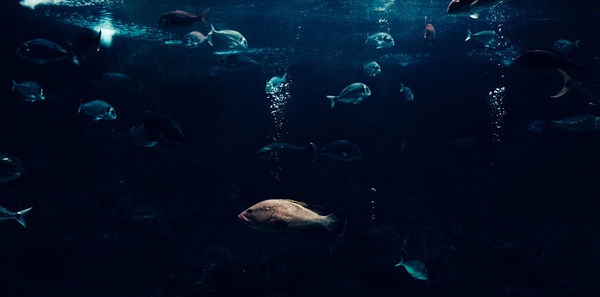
<point x="14" y="85"/>
<point x="337" y="222"/>
<point x="332" y="99"/>
<point x="284" y="78"/>
<point x="75" y="60"/>
<point x="315" y="150"/>
<point x="210" y="34"/>
<point x="21" y="216"/>
<point x="402" y="87"/>
<point x="401" y="262"/>
<point x="577" y="43"/>
<point x="203" y="16"/>
<point x="469" y="34"/>
<point x="566" y="83"/>
<point x="80" y="106"/>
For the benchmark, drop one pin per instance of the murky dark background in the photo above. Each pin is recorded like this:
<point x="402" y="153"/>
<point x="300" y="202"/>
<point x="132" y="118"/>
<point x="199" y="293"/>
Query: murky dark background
<point x="514" y="214"/>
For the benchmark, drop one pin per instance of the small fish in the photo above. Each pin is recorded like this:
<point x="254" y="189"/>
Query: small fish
<point x="407" y="92"/>
<point x="182" y="18"/>
<point x="380" y="40"/>
<point x="471" y="8"/>
<point x="227" y="38"/>
<point x="415" y="268"/>
<point x="372" y="69"/>
<point x="429" y="34"/>
<point x="17" y="216"/>
<point x="565" y="46"/>
<point x="280" y="150"/>
<point x="194" y="39"/>
<point x="30" y="90"/>
<point x="290" y="215"/>
<point x="98" y="109"/>
<point x="341" y="150"/>
<point x="354" y="93"/>
<point x="579" y="123"/>
<point x="487" y="38"/>
<point x="41" y="51"/>
<point x="10" y="168"/>
<point x="115" y="76"/>
<point x="274" y="84"/>
<point x="590" y="88"/>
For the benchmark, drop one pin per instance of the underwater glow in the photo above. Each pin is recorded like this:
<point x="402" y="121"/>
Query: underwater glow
<point x="108" y="31"/>
<point x="33" y="3"/>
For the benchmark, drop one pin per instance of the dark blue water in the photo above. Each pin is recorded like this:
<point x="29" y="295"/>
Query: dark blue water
<point x="453" y="179"/>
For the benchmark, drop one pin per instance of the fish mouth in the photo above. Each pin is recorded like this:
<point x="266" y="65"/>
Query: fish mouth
<point x="243" y="218"/>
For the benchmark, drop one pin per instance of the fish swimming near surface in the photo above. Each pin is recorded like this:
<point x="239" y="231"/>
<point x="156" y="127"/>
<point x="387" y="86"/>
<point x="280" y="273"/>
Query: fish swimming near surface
<point x="565" y="46"/>
<point x="98" y="109"/>
<point x="372" y="68"/>
<point x="487" y="38"/>
<point x="10" y="168"/>
<point x="341" y="150"/>
<point x="590" y="88"/>
<point x="380" y="40"/>
<point x="415" y="268"/>
<point x="578" y="123"/>
<point x="31" y="91"/>
<point x="226" y="38"/>
<point x="354" y="93"/>
<point x="429" y="34"/>
<point x="274" y="84"/>
<point x="194" y="39"/>
<point x="18" y="216"/>
<point x="471" y="8"/>
<point x="280" y="150"/>
<point x="182" y="18"/>
<point x="289" y="215"/>
<point x="407" y="93"/>
<point x="42" y="51"/>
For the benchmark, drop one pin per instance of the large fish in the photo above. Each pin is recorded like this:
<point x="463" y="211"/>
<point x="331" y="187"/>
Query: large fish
<point x="541" y="59"/>
<point x="41" y="51"/>
<point x="471" y="8"/>
<point x="590" y="88"/>
<point x="578" y="123"/>
<point x="354" y="93"/>
<point x="290" y="215"/>
<point x="181" y="18"/>
<point x="18" y="216"/>
<point x="429" y="34"/>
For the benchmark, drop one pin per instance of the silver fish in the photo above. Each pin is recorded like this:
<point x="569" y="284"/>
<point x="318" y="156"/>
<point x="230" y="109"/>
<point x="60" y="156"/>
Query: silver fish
<point x="579" y="123"/>
<point x="227" y="38"/>
<point x="41" y="51"/>
<point x="354" y="93"/>
<point x="407" y="92"/>
<point x="18" y="216"/>
<point x="380" y="40"/>
<point x="415" y="268"/>
<point x="194" y="39"/>
<point x="487" y="38"/>
<point x="372" y="68"/>
<point x="98" y="109"/>
<point x="10" y="168"/>
<point x="274" y="84"/>
<point x="565" y="46"/>
<point x="31" y="91"/>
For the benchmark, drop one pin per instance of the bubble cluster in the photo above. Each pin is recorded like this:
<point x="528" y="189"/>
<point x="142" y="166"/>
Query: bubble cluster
<point x="497" y="113"/>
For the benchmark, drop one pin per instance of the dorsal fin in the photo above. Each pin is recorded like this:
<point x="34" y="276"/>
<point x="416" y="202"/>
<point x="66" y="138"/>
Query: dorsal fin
<point x="319" y="210"/>
<point x="297" y="202"/>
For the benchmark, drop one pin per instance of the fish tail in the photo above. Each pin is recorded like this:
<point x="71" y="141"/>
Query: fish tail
<point x="21" y="216"/>
<point x="401" y="262"/>
<point x="337" y="222"/>
<point x="75" y="60"/>
<point x="80" y="106"/>
<point x="284" y="78"/>
<point x="332" y="99"/>
<point x="203" y="16"/>
<point x="210" y="34"/>
<point x="14" y="85"/>
<point x="315" y="150"/>
<point x="566" y="83"/>
<point x="468" y="35"/>
<point x="577" y="43"/>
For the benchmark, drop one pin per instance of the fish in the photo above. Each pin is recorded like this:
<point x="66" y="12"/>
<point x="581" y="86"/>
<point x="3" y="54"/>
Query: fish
<point x="471" y="8"/>
<point x="98" y="109"/>
<point x="578" y="123"/>
<point x="142" y="137"/>
<point x="565" y="46"/>
<point x="42" y="51"/>
<point x="274" y="84"/>
<point x="11" y="168"/>
<point x="487" y="38"/>
<point x="18" y="216"/>
<point x="86" y="42"/>
<point x="341" y="150"/>
<point x="543" y="60"/>
<point x="115" y="76"/>
<point x="354" y="93"/>
<point x="407" y="92"/>
<point x="194" y="39"/>
<point x="429" y="34"/>
<point x="155" y="128"/>
<point x="372" y="68"/>
<point x="227" y="38"/>
<point x="31" y="91"/>
<point x="380" y="40"/>
<point x="415" y="268"/>
<point x="590" y="88"/>
<point x="280" y="150"/>
<point x="287" y="215"/>
<point x="182" y="18"/>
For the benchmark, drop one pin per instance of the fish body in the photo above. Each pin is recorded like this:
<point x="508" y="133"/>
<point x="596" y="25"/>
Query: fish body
<point x="341" y="150"/>
<point x="565" y="46"/>
<point x="274" y="84"/>
<point x="487" y="38"/>
<point x="541" y="59"/>
<point x="579" y="123"/>
<point x="41" y="51"/>
<point x="380" y="40"/>
<point x="590" y="88"/>
<point x="227" y="38"/>
<point x="415" y="268"/>
<point x="10" y="168"/>
<point x="354" y="93"/>
<point x="430" y="34"/>
<point x="372" y="69"/>
<point x="471" y="8"/>
<point x="290" y="215"/>
<point x="181" y="18"/>
<point x="115" y="76"/>
<point x="280" y="150"/>
<point x="31" y="91"/>
<point x="407" y="93"/>
<point x="194" y="39"/>
<point x="98" y="109"/>
<point x="17" y="216"/>
<point x="86" y="42"/>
